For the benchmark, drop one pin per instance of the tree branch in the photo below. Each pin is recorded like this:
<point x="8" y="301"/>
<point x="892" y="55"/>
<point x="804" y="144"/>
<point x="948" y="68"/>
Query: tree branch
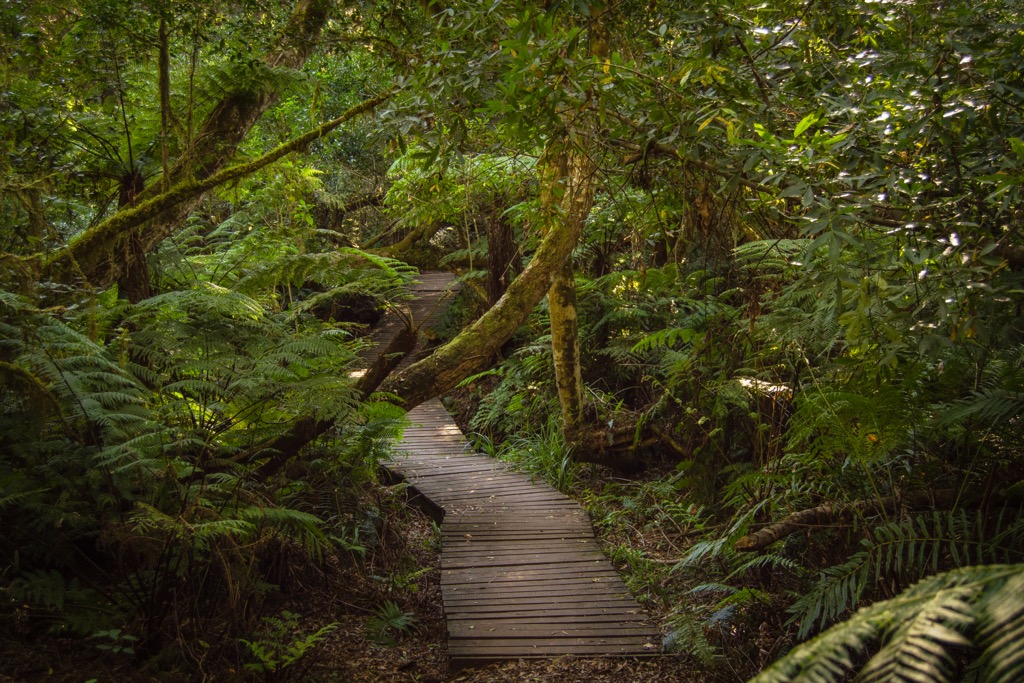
<point x="100" y="238"/>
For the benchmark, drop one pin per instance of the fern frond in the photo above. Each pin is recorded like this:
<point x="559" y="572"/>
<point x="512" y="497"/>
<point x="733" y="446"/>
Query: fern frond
<point x="923" y="634"/>
<point x="907" y="549"/>
<point x="990" y="405"/>
<point x="666" y="339"/>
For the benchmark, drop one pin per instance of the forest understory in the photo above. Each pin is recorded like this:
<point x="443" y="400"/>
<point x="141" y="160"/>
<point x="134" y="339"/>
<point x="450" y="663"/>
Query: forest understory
<point x="348" y="593"/>
<point x="746" y="280"/>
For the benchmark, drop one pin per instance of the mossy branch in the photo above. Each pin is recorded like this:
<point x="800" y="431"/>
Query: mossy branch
<point x="472" y="350"/>
<point x="102" y="237"/>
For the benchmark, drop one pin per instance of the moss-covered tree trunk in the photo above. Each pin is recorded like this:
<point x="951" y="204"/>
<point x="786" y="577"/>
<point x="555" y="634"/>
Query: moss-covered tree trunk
<point x="415" y="247"/>
<point x="567" y="190"/>
<point x="565" y="348"/>
<point x="472" y="350"/>
<point x="100" y="262"/>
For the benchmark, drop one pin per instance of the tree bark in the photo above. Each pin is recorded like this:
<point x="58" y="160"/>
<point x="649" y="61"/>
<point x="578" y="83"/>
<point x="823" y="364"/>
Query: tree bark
<point x="559" y="188"/>
<point x="503" y="262"/>
<point x="99" y="262"/>
<point x="472" y="350"/>
<point x="133" y="284"/>
<point x="565" y="347"/>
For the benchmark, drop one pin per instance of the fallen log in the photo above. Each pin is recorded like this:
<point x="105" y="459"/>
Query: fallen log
<point x="827" y="515"/>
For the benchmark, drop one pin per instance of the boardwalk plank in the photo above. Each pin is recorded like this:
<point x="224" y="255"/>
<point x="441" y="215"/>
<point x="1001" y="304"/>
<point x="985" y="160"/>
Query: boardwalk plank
<point x="511" y="630"/>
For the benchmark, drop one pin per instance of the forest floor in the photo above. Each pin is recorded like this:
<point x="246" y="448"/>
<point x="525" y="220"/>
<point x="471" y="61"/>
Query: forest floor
<point x="403" y="568"/>
<point x="400" y="566"/>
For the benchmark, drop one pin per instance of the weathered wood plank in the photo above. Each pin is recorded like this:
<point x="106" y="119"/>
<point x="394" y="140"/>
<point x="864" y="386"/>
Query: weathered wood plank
<point x="470" y="631"/>
<point x="620" y="613"/>
<point x="539" y="595"/>
<point x="534" y="641"/>
<point x="493" y="604"/>
<point x="450" y="577"/>
<point x="608" y="585"/>
<point x="505" y="547"/>
<point x="526" y="560"/>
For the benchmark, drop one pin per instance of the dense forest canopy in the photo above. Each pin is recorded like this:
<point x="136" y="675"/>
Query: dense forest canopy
<point x="746" y="278"/>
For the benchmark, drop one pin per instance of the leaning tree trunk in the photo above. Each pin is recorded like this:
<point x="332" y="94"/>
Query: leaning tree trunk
<point x="100" y="262"/>
<point x="473" y="349"/>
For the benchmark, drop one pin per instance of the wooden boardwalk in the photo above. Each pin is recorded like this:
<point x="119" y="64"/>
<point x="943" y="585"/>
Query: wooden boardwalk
<point x="393" y="342"/>
<point x="522" y="575"/>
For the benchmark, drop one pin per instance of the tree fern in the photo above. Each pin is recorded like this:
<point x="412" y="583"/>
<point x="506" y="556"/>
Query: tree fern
<point x="132" y="451"/>
<point x="965" y="624"/>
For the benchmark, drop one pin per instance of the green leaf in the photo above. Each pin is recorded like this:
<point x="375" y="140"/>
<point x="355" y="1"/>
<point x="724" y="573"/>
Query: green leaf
<point x="805" y="123"/>
<point x="1017" y="145"/>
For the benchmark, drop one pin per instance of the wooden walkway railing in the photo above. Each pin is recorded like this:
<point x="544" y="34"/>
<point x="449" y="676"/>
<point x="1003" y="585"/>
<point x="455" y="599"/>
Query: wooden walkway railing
<point x="522" y="575"/>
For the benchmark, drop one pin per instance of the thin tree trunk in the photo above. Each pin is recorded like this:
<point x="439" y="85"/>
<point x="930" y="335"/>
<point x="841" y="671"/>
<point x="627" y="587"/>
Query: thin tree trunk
<point x="580" y="179"/>
<point x="502" y="256"/>
<point x="164" y="85"/>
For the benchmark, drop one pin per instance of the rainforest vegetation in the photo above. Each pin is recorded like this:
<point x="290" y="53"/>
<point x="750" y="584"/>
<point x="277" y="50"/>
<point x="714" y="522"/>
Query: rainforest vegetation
<point x="746" y="279"/>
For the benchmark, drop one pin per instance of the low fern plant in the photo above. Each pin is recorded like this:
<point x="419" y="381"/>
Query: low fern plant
<point x="388" y="623"/>
<point x="282" y="646"/>
<point x="905" y="550"/>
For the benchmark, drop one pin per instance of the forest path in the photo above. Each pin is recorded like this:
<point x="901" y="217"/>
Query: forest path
<point x="522" y="575"/>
